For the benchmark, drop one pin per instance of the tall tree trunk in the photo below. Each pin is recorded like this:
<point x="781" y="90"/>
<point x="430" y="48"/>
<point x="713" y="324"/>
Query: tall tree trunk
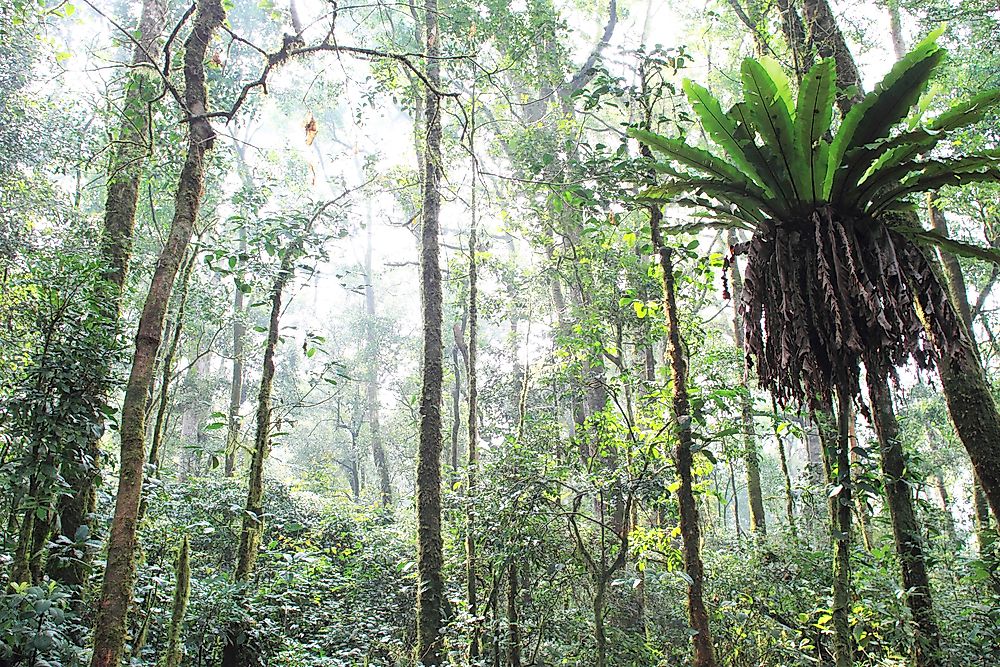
<point x="949" y="520"/>
<point x="473" y="453"/>
<point x="785" y="475"/>
<point x="182" y="590"/>
<point x="374" y="425"/>
<point x="795" y="36"/>
<point x="430" y="591"/>
<point x="860" y="504"/>
<point x="253" y="515"/>
<point x="704" y="655"/>
<point x="905" y="527"/>
<point x="234" y="423"/>
<point x="825" y="35"/>
<point x="116" y="250"/>
<point x="835" y="435"/>
<point x="167" y="367"/>
<point x="119" y="574"/>
<point x="513" y="615"/>
<point x="751" y="454"/>
<point x="959" y="295"/>
<point x="701" y="637"/>
<point x="456" y="399"/>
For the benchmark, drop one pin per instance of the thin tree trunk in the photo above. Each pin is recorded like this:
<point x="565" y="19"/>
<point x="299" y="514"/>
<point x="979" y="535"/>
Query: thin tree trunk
<point x="860" y="506"/>
<point x="119" y="574"/>
<point x="253" y="515"/>
<point x="182" y="591"/>
<point x="430" y="591"/>
<point x="704" y="655"/>
<point x="513" y="616"/>
<point x="737" y="521"/>
<point x="701" y="637"/>
<point x="234" y="423"/>
<point x="905" y="527"/>
<point x="949" y="520"/>
<point x="835" y="435"/>
<point x="783" y="459"/>
<point x="167" y="367"/>
<point x="456" y="399"/>
<point x="116" y="250"/>
<point x="374" y="425"/>
<point x="472" y="348"/>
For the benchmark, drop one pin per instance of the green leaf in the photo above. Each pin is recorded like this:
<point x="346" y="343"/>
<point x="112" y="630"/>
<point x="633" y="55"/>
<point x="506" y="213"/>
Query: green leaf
<point x="954" y="246"/>
<point x="813" y="115"/>
<point x="721" y="128"/>
<point x="771" y="118"/>
<point x="695" y="158"/>
<point x="730" y="194"/>
<point x="871" y="119"/>
<point x="955" y="172"/>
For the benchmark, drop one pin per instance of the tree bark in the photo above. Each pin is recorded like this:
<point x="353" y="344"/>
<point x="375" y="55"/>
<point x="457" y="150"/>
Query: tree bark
<point x="704" y="655"/>
<point x="119" y="574"/>
<point x="167" y="369"/>
<point x="473" y="453"/>
<point x="905" y="527"/>
<point x="835" y="435"/>
<point x="959" y="295"/>
<point x="234" y="423"/>
<point x="253" y="514"/>
<point x="116" y="250"/>
<point x="430" y="592"/>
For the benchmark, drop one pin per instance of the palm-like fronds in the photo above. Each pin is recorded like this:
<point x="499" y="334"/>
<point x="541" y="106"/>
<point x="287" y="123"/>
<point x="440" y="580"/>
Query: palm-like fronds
<point x="828" y="282"/>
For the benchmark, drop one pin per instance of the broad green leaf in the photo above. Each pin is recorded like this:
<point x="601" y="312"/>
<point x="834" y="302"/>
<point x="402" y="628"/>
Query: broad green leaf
<point x="813" y="115"/>
<point x="771" y="118"/>
<point x="871" y="119"/>
<point x="954" y="246"/>
<point x="721" y="128"/>
<point x="692" y="157"/>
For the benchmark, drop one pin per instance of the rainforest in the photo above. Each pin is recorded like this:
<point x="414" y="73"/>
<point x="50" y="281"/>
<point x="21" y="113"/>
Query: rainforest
<point x="420" y="333"/>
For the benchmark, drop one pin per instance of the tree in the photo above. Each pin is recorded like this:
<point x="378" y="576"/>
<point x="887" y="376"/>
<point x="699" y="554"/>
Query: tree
<point x="430" y="592"/>
<point x="119" y="574"/>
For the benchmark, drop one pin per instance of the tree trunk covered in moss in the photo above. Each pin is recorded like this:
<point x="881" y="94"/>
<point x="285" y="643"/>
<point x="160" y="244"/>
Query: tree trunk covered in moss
<point x="233" y="422"/>
<point x="751" y="454"/>
<point x="957" y="290"/>
<point x="182" y="590"/>
<point x="704" y="655"/>
<point x="905" y="527"/>
<point x="835" y="436"/>
<point x="116" y="249"/>
<point x="471" y="585"/>
<point x="119" y="574"/>
<point x="430" y="590"/>
<point x="829" y="42"/>
<point x="253" y="511"/>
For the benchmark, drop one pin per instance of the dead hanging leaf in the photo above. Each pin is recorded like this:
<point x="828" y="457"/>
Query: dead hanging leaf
<point x="311" y="129"/>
